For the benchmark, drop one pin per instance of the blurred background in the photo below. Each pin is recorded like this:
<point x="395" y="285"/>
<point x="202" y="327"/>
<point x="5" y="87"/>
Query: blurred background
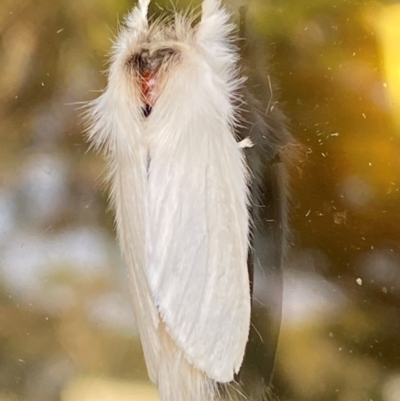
<point x="66" y="328"/>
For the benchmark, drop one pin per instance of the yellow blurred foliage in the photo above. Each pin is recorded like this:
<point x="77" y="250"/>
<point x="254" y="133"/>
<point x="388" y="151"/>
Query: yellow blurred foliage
<point x="107" y="389"/>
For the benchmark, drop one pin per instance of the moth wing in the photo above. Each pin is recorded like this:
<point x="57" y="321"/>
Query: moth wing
<point x="198" y="223"/>
<point x="109" y="129"/>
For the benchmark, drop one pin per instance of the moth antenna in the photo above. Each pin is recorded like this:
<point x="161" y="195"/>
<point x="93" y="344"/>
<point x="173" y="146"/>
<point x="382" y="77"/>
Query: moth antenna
<point x="214" y="25"/>
<point x="209" y="8"/>
<point x="137" y="19"/>
<point x="144" y="7"/>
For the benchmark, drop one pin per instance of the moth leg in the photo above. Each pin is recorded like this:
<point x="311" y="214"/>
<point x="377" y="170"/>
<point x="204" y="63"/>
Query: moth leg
<point x="246" y="143"/>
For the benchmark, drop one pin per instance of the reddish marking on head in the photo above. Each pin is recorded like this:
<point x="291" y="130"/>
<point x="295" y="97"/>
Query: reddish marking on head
<point x="147" y="85"/>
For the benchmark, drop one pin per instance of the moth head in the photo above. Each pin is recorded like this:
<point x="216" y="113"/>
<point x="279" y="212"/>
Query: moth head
<point x="150" y="56"/>
<point x="149" y="67"/>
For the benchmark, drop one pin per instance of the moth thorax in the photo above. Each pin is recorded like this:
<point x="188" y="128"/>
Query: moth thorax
<point x="150" y="64"/>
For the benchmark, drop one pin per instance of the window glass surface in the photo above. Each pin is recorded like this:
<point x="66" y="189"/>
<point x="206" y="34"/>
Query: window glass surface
<point x="66" y="327"/>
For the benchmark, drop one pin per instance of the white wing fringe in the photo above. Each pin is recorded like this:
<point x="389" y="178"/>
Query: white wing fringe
<point x="178" y="380"/>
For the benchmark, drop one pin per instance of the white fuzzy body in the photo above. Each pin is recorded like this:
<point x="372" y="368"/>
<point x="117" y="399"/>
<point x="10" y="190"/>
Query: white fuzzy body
<point x="179" y="189"/>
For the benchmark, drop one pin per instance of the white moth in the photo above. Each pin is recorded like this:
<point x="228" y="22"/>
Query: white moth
<point x="179" y="187"/>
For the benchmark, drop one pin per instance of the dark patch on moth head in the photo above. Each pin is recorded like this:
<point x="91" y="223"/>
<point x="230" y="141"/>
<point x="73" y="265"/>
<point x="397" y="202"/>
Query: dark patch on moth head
<point x="146" y="110"/>
<point x="146" y="60"/>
